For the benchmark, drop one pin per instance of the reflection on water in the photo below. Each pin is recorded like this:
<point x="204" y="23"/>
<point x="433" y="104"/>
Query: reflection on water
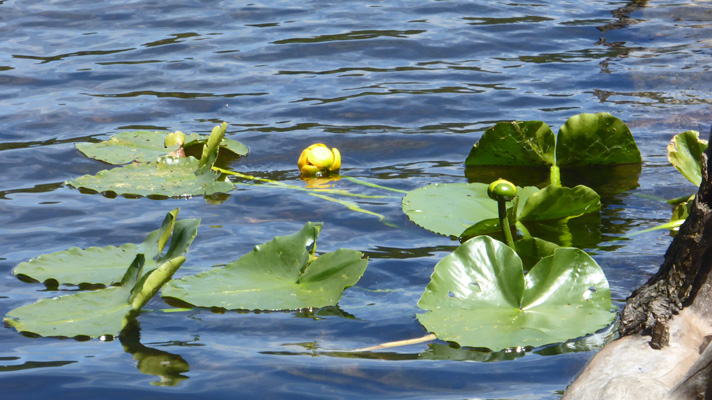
<point x="404" y="90"/>
<point x="167" y="366"/>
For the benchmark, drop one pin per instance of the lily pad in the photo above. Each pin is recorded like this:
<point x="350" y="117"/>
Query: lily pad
<point x="459" y="209"/>
<point x="450" y="208"/>
<point x="107" y="265"/>
<point x="595" y="139"/>
<point x="282" y="274"/>
<point x="95" y="313"/>
<point x="168" y="176"/>
<point x="478" y="296"/>
<point x="585" y="139"/>
<point x="148" y="146"/>
<point x="685" y="154"/>
<point x="523" y="143"/>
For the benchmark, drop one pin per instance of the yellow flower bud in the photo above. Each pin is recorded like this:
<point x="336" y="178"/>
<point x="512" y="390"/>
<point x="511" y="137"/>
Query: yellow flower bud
<point x="318" y="159"/>
<point x="174" y="138"/>
<point x="502" y="189"/>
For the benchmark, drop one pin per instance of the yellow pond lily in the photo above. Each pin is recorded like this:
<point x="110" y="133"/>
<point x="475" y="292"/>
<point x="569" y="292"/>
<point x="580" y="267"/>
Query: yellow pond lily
<point x="318" y="160"/>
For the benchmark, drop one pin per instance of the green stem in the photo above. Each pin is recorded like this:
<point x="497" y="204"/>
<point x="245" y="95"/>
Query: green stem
<point x="504" y="222"/>
<point x="555" y="176"/>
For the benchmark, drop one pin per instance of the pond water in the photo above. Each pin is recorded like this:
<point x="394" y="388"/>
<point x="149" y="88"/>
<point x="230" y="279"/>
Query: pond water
<point x="403" y="89"/>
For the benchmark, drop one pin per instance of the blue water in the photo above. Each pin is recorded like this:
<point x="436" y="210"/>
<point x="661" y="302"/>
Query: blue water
<point x="403" y="89"/>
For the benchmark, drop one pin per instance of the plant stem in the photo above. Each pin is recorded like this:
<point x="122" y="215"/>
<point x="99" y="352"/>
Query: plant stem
<point x="555" y="176"/>
<point x="426" y="338"/>
<point x="504" y="222"/>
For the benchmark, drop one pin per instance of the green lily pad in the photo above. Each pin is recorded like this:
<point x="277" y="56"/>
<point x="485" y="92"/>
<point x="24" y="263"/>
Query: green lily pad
<point x="169" y="176"/>
<point x="585" y="139"/>
<point x="525" y="143"/>
<point x="107" y="265"/>
<point x="279" y="275"/>
<point x="685" y="154"/>
<point x="450" y="208"/>
<point x="595" y="139"/>
<point x="555" y="202"/>
<point x="179" y="178"/>
<point x="95" y="313"/>
<point x="148" y="146"/>
<point x="465" y="210"/>
<point x="478" y="296"/>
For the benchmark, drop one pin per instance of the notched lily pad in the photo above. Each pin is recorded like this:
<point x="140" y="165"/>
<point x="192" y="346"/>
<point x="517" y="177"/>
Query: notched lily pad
<point x="465" y="210"/>
<point x="95" y="313"/>
<point x="166" y="176"/>
<point x="282" y="274"/>
<point x="148" y="146"/>
<point x="107" y="265"/>
<point x="478" y="296"/>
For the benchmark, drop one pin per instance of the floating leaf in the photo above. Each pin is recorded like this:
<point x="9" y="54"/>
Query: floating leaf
<point x="459" y="209"/>
<point x="450" y="208"/>
<point x="96" y="313"/>
<point x="478" y="296"/>
<point x="106" y="265"/>
<point x="175" y="178"/>
<point x="279" y="275"/>
<point x="147" y="146"/>
<point x="685" y="153"/>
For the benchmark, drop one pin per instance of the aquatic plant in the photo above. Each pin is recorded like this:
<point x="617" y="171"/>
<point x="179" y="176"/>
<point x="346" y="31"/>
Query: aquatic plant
<point x="318" y="160"/>
<point x="156" y="170"/>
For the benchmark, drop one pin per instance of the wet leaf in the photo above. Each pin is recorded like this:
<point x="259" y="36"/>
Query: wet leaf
<point x="478" y="296"/>
<point x="279" y="275"/>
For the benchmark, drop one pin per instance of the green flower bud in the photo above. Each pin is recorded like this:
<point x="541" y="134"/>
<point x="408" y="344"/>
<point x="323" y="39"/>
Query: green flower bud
<point x="502" y="190"/>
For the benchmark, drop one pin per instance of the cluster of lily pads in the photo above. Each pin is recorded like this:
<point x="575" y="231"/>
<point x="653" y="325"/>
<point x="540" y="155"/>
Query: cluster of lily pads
<point x="478" y="296"/>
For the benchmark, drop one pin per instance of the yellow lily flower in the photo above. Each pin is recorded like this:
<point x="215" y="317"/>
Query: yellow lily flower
<point x="318" y="160"/>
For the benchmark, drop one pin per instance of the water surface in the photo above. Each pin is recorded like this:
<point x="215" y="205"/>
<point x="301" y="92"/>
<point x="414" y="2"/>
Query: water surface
<point x="403" y="89"/>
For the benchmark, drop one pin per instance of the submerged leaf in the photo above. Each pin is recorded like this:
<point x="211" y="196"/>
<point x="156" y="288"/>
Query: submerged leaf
<point x="277" y="275"/>
<point x="478" y="296"/>
<point x="685" y="153"/>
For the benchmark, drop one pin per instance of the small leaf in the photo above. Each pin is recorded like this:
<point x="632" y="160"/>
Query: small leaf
<point x="595" y="139"/>
<point x="478" y="296"/>
<point x="531" y="250"/>
<point x="554" y="202"/>
<point x="152" y="282"/>
<point x="524" y="143"/>
<point x="685" y="153"/>
<point x="278" y="275"/>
